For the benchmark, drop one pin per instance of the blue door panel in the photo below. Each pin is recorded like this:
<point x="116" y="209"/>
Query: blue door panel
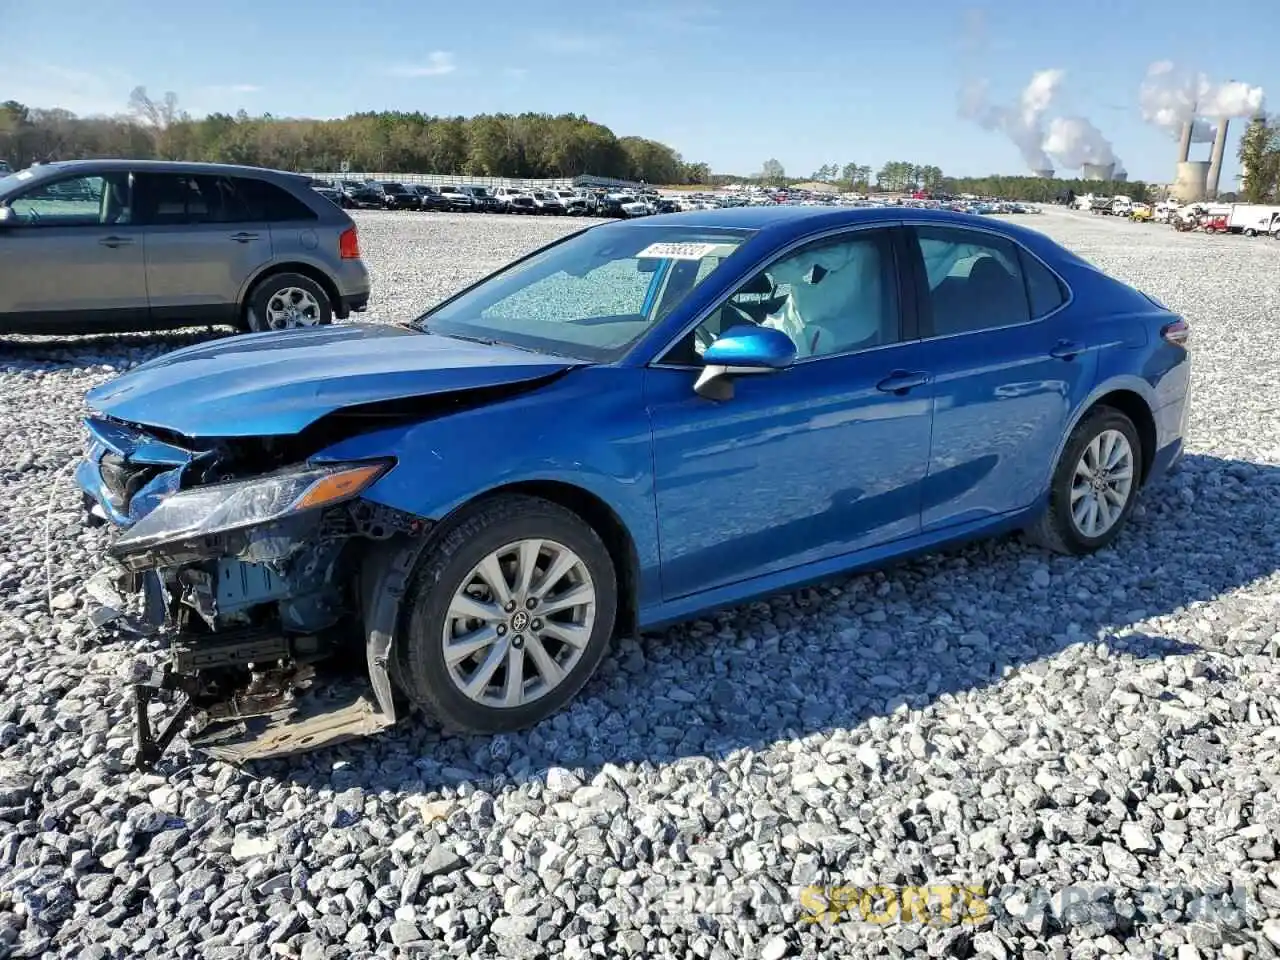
<point x="1001" y="403"/>
<point x="801" y="465"/>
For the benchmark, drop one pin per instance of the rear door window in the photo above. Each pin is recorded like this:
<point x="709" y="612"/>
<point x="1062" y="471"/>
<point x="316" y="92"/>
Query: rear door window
<point x="974" y="279"/>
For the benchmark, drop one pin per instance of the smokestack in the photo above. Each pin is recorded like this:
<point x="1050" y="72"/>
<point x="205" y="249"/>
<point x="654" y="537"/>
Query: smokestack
<point x="1215" y="160"/>
<point x="1184" y="145"/>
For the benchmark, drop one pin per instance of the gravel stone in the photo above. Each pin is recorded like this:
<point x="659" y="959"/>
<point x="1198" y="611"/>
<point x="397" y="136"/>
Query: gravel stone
<point x="1065" y="731"/>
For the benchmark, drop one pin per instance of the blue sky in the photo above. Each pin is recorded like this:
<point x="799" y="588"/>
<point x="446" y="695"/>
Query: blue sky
<point x="731" y="83"/>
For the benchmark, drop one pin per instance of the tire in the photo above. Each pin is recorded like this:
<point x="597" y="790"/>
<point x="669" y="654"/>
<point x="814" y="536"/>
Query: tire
<point x="1251" y="232"/>
<point x="1057" y="529"/>
<point x="420" y="668"/>
<point x="260" y="308"/>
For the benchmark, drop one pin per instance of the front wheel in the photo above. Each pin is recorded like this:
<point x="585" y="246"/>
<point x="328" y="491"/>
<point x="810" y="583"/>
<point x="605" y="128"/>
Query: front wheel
<point x="1094" y="487"/>
<point x="507" y="616"/>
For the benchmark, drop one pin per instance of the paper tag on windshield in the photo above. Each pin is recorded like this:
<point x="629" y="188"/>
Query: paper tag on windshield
<point x="677" y="251"/>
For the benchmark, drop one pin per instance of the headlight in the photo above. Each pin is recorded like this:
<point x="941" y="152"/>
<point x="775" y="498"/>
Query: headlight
<point x="223" y="507"/>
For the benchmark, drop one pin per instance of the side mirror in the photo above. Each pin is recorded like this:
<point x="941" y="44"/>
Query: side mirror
<point x="7" y="217"/>
<point x="739" y="351"/>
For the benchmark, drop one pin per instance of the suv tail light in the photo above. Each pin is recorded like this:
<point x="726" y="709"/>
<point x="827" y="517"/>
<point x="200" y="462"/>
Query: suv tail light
<point x="349" y="244"/>
<point x="1177" y="332"/>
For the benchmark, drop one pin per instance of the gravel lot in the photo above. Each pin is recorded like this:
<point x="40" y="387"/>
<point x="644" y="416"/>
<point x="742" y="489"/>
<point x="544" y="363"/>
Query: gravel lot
<point x="1090" y="744"/>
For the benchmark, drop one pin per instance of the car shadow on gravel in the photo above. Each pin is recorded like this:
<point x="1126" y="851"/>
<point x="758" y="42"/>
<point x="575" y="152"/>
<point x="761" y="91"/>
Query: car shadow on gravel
<point x="840" y="654"/>
<point x="91" y="350"/>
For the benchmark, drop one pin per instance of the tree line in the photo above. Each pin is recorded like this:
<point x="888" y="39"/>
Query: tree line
<point x="531" y="145"/>
<point x="900" y="176"/>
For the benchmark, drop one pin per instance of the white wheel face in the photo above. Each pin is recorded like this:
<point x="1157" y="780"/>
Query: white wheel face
<point x="1102" y="484"/>
<point x="292" y="307"/>
<point x="519" y="623"/>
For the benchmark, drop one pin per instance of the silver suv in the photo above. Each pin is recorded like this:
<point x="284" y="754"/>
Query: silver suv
<point x="95" y="245"/>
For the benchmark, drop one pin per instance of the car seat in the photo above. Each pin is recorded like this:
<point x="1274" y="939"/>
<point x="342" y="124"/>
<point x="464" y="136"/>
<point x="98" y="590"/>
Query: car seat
<point x="994" y="295"/>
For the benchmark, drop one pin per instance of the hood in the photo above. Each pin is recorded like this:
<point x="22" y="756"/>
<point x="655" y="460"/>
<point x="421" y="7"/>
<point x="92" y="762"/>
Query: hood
<point x="275" y="384"/>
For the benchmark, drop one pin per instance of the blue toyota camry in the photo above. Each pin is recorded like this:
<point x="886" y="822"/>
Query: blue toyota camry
<point x="639" y="422"/>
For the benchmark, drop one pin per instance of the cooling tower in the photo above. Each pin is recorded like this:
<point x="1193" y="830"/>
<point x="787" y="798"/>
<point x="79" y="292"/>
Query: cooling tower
<point x="1184" y="145"/>
<point x="1044" y="174"/>
<point x="1189" y="187"/>
<point x="1215" y="160"/>
<point x="1097" y="171"/>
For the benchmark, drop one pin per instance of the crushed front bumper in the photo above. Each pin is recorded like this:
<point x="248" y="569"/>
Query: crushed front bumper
<point x="249" y="614"/>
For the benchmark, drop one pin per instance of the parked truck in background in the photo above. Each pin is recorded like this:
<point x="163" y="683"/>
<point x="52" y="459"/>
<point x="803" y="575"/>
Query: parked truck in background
<point x="1252" y="219"/>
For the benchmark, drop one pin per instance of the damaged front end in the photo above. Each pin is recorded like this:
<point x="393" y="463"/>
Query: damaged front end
<point x="260" y="565"/>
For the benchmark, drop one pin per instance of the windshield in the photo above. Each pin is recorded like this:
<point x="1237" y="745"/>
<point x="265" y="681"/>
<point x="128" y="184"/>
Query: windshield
<point x="592" y="296"/>
<point x="479" y="191"/>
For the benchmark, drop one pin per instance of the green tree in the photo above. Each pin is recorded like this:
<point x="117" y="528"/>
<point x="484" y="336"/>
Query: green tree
<point x="1259" y="156"/>
<point x="772" y="172"/>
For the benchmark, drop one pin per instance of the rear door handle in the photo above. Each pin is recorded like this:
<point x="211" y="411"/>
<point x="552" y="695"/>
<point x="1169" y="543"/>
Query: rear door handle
<point x="244" y="237"/>
<point x="114" y="242"/>
<point x="1066" y="350"/>
<point x="902" y="382"/>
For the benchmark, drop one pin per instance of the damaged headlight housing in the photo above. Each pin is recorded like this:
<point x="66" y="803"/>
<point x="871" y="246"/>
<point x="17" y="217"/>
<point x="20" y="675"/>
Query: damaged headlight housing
<point x="226" y="507"/>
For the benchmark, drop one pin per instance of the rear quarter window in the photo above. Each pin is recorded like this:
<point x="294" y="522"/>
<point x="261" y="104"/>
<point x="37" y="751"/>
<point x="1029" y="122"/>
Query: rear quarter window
<point x="1045" y="291"/>
<point x="275" y="204"/>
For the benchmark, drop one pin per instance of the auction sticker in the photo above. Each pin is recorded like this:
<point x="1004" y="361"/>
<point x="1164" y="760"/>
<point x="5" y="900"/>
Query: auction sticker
<point x="678" y="251"/>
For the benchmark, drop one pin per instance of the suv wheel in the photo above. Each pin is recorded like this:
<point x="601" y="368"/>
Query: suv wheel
<point x="284" y="301"/>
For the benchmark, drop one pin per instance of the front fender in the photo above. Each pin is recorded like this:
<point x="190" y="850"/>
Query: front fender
<point x="587" y="430"/>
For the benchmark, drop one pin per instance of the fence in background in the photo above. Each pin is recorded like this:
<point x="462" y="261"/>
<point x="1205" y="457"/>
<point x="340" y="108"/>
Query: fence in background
<point x="440" y="180"/>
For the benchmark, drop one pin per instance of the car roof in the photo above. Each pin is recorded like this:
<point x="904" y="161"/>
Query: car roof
<point x="162" y="166"/>
<point x="781" y="223"/>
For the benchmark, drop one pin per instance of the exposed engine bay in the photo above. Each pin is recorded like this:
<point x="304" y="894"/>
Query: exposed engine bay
<point x="294" y="569"/>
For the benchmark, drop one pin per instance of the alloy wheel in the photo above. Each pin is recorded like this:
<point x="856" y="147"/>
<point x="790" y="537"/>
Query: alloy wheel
<point x="292" y="307"/>
<point x="1102" y="484"/>
<point x="519" y="622"/>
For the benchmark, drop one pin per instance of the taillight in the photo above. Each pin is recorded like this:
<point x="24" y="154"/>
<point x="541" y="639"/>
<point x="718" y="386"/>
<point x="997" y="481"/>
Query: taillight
<point x="1177" y="333"/>
<point x="349" y="244"/>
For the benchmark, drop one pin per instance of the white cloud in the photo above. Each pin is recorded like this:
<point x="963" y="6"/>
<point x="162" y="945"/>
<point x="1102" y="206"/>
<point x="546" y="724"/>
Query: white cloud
<point x="515" y="73"/>
<point x="438" y="63"/>
<point x="49" y="86"/>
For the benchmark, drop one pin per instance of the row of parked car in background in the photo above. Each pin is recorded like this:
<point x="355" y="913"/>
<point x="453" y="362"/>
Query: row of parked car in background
<point x="1247" y="219"/>
<point x="465" y="198"/>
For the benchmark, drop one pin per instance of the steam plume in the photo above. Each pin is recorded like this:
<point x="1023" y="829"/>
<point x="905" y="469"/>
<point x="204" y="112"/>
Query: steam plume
<point x="1170" y="96"/>
<point x="1071" y="141"/>
<point x="1023" y="123"/>
<point x="1074" y="141"/>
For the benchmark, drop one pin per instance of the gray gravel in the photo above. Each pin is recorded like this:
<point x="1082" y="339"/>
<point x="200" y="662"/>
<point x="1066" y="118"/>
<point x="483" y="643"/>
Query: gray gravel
<point x="1091" y="743"/>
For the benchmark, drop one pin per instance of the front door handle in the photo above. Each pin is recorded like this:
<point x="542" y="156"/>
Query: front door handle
<point x="244" y="237"/>
<point x="901" y="382"/>
<point x="114" y="242"/>
<point x="1066" y="350"/>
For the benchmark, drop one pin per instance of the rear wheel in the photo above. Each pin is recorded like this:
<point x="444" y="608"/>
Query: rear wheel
<point x="284" y="301"/>
<point x="507" y="617"/>
<point x="1094" y="487"/>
